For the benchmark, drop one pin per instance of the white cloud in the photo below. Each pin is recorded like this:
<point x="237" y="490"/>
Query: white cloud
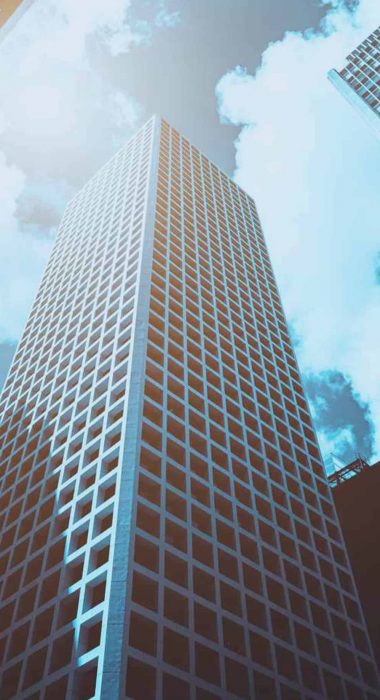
<point x="64" y="27"/>
<point x="165" y="18"/>
<point x="55" y="98"/>
<point x="12" y="181"/>
<point x="20" y="261"/>
<point x="61" y="117"/>
<point x="335" y="442"/>
<point x="313" y="168"/>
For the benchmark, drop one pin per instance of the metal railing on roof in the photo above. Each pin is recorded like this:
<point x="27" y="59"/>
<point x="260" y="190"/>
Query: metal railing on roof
<point x="347" y="472"/>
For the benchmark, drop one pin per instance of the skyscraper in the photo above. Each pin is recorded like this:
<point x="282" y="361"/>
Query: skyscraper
<point x="167" y="528"/>
<point x="10" y="13"/>
<point x="359" y="80"/>
<point x="356" y="489"/>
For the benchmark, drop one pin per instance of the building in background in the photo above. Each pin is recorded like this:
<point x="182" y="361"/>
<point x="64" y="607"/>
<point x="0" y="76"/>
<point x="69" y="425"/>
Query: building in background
<point x="356" y="491"/>
<point x="167" y="530"/>
<point x="10" y="13"/>
<point x="359" y="80"/>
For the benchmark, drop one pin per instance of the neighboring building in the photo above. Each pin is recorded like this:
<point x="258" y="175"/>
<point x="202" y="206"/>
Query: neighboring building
<point x="356" y="491"/>
<point x="10" y="13"/>
<point x="359" y="80"/>
<point x="168" y="532"/>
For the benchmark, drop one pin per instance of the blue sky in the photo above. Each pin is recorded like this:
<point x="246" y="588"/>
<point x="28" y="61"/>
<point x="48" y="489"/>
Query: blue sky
<point x="313" y="168"/>
<point x="246" y="81"/>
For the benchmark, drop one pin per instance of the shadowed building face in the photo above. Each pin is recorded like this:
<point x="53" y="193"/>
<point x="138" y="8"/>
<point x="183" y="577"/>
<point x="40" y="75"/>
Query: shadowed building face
<point x="7" y="8"/>
<point x="167" y="528"/>
<point x="356" y="495"/>
<point x="11" y="11"/>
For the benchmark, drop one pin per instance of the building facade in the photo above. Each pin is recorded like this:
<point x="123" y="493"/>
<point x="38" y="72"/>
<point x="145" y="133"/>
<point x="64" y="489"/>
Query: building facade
<point x="167" y="530"/>
<point x="10" y="13"/>
<point x="359" y="80"/>
<point x="356" y="489"/>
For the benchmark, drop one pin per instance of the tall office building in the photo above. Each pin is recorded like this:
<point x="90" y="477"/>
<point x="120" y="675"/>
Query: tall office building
<point x="359" y="80"/>
<point x="11" y="12"/>
<point x="356" y="489"/>
<point x="168" y="532"/>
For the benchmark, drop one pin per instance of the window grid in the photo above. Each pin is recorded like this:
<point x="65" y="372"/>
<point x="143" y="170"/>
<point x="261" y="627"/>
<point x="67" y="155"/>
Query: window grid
<point x="234" y="523"/>
<point x="62" y="430"/>
<point x="238" y="584"/>
<point x="362" y="71"/>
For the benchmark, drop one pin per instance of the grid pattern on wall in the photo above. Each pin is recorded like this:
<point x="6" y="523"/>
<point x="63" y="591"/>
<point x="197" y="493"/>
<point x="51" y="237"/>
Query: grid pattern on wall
<point x="62" y="427"/>
<point x="362" y="71"/>
<point x="159" y="349"/>
<point x="240" y="585"/>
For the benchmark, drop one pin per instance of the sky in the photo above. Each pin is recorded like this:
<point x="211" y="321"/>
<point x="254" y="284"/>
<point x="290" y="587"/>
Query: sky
<point x="245" y="80"/>
<point x="313" y="168"/>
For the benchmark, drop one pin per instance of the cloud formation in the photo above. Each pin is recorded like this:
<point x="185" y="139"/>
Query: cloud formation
<point x="313" y="168"/>
<point x="14" y="254"/>
<point x="60" y="119"/>
<point x="342" y="419"/>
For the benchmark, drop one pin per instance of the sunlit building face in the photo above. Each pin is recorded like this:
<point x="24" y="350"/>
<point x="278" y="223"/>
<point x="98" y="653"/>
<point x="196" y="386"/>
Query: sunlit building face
<point x="167" y="529"/>
<point x="359" y="80"/>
